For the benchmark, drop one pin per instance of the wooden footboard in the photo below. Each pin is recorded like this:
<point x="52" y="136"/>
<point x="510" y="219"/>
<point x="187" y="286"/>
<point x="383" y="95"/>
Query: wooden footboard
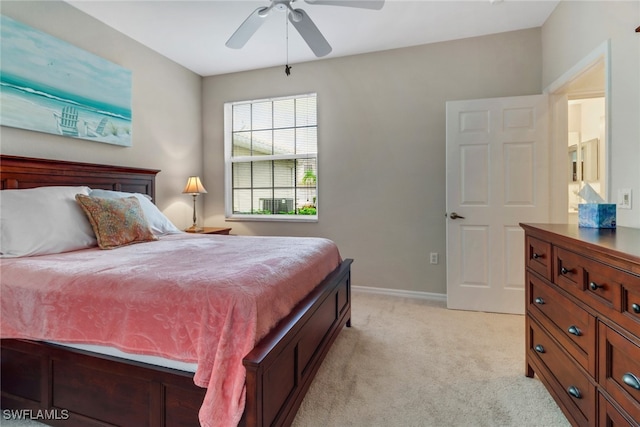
<point x="77" y="388"/>
<point x="281" y="367"/>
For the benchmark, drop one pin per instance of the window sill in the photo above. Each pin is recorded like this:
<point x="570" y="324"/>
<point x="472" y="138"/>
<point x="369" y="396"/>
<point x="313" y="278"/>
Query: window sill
<point x="273" y="218"/>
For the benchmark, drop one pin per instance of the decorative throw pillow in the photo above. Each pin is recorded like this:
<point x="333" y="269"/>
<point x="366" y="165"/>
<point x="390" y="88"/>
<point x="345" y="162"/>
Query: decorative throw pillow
<point x="116" y="222"/>
<point x="159" y="223"/>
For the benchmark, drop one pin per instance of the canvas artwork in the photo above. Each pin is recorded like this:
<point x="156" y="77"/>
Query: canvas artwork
<point x="48" y="85"/>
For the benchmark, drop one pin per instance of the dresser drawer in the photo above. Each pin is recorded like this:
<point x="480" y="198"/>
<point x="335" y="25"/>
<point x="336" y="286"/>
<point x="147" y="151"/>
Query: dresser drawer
<point x="594" y="283"/>
<point x="610" y="416"/>
<point x="572" y="326"/>
<point x="568" y="271"/>
<point x="539" y="256"/>
<point x="571" y="385"/>
<point x="630" y="316"/>
<point x="619" y="370"/>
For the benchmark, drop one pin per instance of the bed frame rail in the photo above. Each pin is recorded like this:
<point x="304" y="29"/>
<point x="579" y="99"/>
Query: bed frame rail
<point x="69" y="387"/>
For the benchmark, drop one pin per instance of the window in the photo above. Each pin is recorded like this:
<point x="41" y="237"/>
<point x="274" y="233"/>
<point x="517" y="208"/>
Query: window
<point x="271" y="159"/>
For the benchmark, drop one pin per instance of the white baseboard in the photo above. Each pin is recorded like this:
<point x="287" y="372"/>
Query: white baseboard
<point x="400" y="293"/>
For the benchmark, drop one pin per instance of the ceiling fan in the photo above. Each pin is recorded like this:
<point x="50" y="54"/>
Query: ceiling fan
<point x="299" y="19"/>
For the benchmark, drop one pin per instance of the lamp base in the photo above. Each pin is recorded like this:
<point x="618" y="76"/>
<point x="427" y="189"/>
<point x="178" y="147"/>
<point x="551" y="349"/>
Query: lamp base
<point x="194" y="229"/>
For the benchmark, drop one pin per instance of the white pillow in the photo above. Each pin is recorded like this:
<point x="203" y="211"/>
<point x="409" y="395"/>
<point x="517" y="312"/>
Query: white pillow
<point x="159" y="223"/>
<point x="43" y="220"/>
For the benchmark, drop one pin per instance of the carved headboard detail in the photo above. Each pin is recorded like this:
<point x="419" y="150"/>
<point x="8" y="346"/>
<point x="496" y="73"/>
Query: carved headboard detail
<point x="24" y="172"/>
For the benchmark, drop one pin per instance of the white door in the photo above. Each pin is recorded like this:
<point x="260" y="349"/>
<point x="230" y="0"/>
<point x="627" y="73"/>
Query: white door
<point x="497" y="177"/>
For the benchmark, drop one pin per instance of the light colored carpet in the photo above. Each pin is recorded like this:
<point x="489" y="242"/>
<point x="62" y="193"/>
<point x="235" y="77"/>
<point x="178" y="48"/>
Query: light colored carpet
<point x="408" y="362"/>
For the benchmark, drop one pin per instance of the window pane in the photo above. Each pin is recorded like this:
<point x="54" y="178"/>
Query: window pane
<point x="307" y="175"/>
<point x="283" y="201"/>
<point x="262" y="177"/>
<point x="283" y="141"/>
<point x="241" y="144"/>
<point x="307" y="182"/>
<point x="262" y="201"/>
<point x="241" y="117"/>
<point x="307" y="140"/>
<point x="241" y="175"/>
<point x="242" y="201"/>
<point x="284" y="173"/>
<point x="283" y="113"/>
<point x="306" y="111"/>
<point x="262" y="115"/>
<point x="262" y="143"/>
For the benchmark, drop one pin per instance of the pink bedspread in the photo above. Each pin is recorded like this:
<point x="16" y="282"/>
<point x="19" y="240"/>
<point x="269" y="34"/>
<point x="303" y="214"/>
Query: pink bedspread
<point x="195" y="298"/>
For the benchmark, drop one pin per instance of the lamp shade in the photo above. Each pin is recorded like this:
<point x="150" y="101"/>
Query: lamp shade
<point x="194" y="186"/>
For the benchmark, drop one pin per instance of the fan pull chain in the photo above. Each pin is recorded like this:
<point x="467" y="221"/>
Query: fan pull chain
<point x="287" y="67"/>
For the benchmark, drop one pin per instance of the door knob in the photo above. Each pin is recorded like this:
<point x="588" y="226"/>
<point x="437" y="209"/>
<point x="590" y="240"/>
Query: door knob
<point x="454" y="215"/>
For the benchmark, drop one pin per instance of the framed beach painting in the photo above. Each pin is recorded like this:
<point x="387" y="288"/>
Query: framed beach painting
<point x="48" y="85"/>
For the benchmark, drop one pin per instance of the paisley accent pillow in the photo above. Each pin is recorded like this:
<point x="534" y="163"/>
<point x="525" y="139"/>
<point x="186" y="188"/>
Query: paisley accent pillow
<point x="116" y="222"/>
<point x="159" y="223"/>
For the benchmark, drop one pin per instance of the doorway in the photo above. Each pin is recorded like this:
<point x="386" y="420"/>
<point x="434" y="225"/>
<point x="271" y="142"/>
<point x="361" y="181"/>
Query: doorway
<point x="579" y="134"/>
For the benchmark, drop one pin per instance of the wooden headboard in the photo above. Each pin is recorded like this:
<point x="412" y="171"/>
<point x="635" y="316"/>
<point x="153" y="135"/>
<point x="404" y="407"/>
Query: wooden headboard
<point x="24" y="172"/>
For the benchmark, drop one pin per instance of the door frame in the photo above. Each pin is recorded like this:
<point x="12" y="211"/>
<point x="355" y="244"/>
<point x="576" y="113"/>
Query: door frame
<point x="558" y="91"/>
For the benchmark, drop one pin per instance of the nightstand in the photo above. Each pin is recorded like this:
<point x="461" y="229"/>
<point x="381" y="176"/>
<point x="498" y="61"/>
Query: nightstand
<point x="211" y="230"/>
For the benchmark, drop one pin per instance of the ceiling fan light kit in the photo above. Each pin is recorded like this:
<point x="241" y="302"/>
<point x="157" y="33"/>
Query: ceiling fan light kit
<point x="299" y="19"/>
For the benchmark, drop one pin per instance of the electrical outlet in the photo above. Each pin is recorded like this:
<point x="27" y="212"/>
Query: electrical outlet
<point x="624" y="198"/>
<point x="434" y="257"/>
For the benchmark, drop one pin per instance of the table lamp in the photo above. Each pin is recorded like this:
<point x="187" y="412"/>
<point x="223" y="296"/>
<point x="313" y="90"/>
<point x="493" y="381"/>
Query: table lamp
<point x="194" y="187"/>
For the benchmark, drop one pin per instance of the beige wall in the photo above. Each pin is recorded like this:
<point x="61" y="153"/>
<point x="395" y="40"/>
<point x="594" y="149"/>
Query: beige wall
<point x="573" y="31"/>
<point x="166" y="107"/>
<point x="381" y="116"/>
<point x="382" y="126"/>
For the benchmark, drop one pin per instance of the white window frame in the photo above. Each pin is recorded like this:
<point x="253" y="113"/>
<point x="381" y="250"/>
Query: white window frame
<point x="229" y="160"/>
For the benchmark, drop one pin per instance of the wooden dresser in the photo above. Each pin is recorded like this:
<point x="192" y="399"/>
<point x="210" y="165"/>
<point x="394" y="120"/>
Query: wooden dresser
<point x="583" y="320"/>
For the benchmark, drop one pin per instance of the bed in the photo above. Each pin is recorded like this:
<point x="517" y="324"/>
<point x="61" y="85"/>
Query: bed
<point x="95" y="389"/>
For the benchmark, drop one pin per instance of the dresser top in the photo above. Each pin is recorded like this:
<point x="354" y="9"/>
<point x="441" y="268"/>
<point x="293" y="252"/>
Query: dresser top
<point x="621" y="242"/>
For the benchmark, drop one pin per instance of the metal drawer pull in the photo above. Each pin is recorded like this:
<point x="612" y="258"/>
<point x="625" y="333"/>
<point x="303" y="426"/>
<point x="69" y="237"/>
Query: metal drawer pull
<point x="594" y="286"/>
<point x="539" y="300"/>
<point x="573" y="391"/>
<point x="574" y="330"/>
<point x="635" y="307"/>
<point x="564" y="270"/>
<point x="539" y="348"/>
<point x="631" y="380"/>
<point x="536" y="256"/>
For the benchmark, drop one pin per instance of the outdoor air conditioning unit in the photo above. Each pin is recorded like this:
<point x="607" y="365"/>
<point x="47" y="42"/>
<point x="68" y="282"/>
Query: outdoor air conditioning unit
<point x="277" y="206"/>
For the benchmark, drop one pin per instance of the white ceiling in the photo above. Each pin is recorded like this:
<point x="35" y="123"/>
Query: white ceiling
<point x="193" y="33"/>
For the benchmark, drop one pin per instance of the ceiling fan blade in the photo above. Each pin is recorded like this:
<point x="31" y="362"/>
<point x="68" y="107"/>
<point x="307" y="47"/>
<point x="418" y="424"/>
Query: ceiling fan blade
<point x="364" y="4"/>
<point x="247" y="28"/>
<point x="310" y="33"/>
